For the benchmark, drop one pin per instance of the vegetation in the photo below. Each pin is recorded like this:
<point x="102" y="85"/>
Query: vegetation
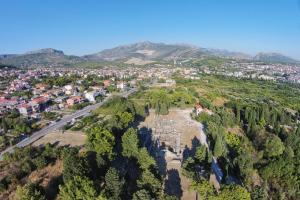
<point x="14" y="127"/>
<point x="252" y="130"/>
<point x="29" y="191"/>
<point x="162" y="99"/>
<point x="211" y="62"/>
<point x="80" y="105"/>
<point x="57" y="81"/>
<point x="252" y="91"/>
<point x="50" y="115"/>
<point x="112" y="166"/>
<point x="254" y="136"/>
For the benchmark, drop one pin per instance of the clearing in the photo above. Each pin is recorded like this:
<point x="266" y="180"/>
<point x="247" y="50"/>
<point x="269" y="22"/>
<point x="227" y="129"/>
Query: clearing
<point x="68" y="138"/>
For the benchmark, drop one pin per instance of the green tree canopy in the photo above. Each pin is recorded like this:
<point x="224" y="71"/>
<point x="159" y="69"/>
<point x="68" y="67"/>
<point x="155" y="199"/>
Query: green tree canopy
<point x="29" y="191"/>
<point x="233" y="192"/>
<point x="141" y="195"/>
<point x="79" y="188"/>
<point x="274" y="146"/>
<point x="114" y="184"/>
<point x="203" y="188"/>
<point x="201" y="153"/>
<point x="219" y="148"/>
<point x="101" y="141"/>
<point x="130" y="143"/>
<point x="73" y="165"/>
<point x="145" y="160"/>
<point x="150" y="182"/>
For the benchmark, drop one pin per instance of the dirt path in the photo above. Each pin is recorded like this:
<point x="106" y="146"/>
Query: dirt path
<point x="175" y="183"/>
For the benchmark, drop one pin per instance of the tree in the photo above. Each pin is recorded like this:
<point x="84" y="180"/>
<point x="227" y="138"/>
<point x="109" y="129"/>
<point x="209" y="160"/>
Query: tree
<point x="150" y="183"/>
<point x="163" y="108"/>
<point x="141" y="195"/>
<point x="219" y="148"/>
<point x="203" y="188"/>
<point x="73" y="165"/>
<point x="234" y="192"/>
<point x="189" y="167"/>
<point x="130" y="143"/>
<point x="298" y="131"/>
<point x="2" y="140"/>
<point x="40" y="162"/>
<point x="126" y="118"/>
<point x="245" y="162"/>
<point x="259" y="193"/>
<point x="4" y="125"/>
<point x="238" y="114"/>
<point x="233" y="141"/>
<point x="144" y="159"/>
<point x="29" y="191"/>
<point x="114" y="184"/>
<point x="79" y="188"/>
<point x="274" y="146"/>
<point x="201" y="153"/>
<point x="101" y="141"/>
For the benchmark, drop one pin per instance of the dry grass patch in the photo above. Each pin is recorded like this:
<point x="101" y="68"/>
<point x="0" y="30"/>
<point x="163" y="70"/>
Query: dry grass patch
<point x="219" y="101"/>
<point x="68" y="138"/>
<point x="236" y="130"/>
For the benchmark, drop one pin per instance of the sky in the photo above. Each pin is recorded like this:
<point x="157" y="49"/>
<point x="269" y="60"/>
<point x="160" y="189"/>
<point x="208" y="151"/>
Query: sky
<point x="81" y="27"/>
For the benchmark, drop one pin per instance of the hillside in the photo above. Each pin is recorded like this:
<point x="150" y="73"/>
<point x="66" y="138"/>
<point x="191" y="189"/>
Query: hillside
<point x="43" y="57"/>
<point x="274" y="57"/>
<point x="148" y="51"/>
<point x="138" y="53"/>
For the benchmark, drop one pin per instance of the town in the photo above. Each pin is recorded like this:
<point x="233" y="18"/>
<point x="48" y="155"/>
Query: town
<point x="39" y="96"/>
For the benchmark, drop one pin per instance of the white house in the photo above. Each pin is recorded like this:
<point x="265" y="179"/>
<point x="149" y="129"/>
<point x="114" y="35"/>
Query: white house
<point x="91" y="96"/>
<point x="68" y="89"/>
<point x="121" y="85"/>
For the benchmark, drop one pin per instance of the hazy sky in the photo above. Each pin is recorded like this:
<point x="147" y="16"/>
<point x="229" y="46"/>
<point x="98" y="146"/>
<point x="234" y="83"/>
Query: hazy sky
<point x="88" y="26"/>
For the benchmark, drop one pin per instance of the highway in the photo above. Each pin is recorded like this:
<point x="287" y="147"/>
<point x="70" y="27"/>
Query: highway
<point x="56" y="125"/>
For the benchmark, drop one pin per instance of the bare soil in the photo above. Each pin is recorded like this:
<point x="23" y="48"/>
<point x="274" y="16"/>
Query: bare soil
<point x="68" y="138"/>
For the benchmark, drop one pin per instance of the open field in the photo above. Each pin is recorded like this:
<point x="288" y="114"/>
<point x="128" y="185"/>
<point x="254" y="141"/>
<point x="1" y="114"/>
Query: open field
<point x="68" y="138"/>
<point x="219" y="89"/>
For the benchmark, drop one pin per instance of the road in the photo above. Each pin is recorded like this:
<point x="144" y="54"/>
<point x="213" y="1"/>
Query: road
<point x="56" y="125"/>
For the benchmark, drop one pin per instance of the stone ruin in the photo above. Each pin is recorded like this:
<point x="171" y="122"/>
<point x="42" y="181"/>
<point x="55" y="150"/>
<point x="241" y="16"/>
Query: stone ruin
<point x="165" y="133"/>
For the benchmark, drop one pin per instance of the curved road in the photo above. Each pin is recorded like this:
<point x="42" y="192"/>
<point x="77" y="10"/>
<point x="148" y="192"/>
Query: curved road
<point x="56" y="125"/>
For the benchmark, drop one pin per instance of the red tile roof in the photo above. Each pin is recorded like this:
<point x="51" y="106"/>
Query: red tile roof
<point x="39" y="100"/>
<point x="25" y="106"/>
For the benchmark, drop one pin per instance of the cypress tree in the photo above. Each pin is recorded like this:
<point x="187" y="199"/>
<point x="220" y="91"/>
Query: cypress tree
<point x="219" y="148"/>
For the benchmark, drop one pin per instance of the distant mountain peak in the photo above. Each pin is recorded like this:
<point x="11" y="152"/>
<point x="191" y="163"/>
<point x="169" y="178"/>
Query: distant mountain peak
<point x="274" y="57"/>
<point x="41" y="57"/>
<point x="139" y="53"/>
<point x="45" y="51"/>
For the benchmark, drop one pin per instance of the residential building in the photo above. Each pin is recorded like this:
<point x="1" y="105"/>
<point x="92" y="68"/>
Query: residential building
<point x="25" y="109"/>
<point x="73" y="100"/>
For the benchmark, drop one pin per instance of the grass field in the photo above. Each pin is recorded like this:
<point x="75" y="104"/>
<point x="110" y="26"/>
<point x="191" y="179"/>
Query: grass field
<point x="219" y="89"/>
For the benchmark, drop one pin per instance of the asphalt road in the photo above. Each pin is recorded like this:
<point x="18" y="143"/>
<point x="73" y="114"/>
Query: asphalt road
<point x="56" y="125"/>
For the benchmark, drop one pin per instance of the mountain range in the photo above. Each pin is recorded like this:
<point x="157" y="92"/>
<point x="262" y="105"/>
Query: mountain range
<point x="138" y="53"/>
